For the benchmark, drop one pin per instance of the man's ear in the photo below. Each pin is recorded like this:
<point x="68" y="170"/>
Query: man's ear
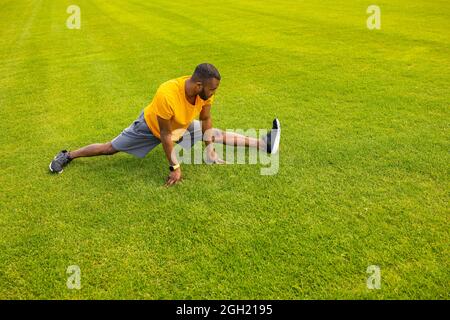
<point x="199" y="85"/>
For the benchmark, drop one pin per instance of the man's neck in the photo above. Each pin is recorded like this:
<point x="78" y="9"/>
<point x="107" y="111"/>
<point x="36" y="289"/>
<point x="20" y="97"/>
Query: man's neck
<point x="188" y="90"/>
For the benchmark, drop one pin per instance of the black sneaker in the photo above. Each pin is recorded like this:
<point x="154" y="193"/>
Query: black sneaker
<point x="272" y="139"/>
<point x="59" y="161"/>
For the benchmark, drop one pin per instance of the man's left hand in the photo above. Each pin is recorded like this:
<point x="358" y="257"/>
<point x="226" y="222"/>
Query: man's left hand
<point x="213" y="158"/>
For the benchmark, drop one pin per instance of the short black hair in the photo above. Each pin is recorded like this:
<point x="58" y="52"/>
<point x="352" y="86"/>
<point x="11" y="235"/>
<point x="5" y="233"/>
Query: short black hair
<point x="204" y="72"/>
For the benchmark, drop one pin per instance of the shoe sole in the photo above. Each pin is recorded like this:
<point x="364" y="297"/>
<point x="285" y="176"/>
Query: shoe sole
<point x="276" y="143"/>
<point x="51" y="170"/>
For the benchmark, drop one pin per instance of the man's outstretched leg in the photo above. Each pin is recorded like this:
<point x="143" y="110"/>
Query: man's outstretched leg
<point x="64" y="156"/>
<point x="269" y="143"/>
<point x="92" y="150"/>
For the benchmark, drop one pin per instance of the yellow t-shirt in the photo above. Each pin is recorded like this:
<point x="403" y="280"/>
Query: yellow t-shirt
<point x="170" y="103"/>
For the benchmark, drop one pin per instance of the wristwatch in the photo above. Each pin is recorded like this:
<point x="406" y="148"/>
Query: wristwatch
<point x="174" y="167"/>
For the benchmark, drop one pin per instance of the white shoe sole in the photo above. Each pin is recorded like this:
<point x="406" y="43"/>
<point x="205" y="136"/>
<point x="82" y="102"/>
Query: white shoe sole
<point x="50" y="167"/>
<point x="276" y="143"/>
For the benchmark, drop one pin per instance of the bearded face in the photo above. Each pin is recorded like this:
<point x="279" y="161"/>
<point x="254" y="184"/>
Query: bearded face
<point x="208" y="88"/>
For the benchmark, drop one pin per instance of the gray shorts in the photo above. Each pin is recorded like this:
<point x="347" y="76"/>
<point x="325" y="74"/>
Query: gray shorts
<point x="138" y="140"/>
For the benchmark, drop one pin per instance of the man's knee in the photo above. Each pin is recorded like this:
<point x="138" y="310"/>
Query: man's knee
<point x="213" y="134"/>
<point x="109" y="149"/>
<point x="217" y="135"/>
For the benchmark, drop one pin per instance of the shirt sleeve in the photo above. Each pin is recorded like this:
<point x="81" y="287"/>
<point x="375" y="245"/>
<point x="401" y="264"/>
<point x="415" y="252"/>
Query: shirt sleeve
<point x="163" y="106"/>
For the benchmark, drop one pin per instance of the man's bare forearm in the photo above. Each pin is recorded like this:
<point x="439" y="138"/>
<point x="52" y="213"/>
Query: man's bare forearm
<point x="208" y="138"/>
<point x="166" y="140"/>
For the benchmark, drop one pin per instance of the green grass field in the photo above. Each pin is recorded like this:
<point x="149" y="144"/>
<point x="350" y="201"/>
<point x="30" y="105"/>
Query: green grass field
<point x="364" y="160"/>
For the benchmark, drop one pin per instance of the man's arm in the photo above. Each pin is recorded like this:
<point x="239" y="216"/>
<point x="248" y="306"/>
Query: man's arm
<point x="208" y="134"/>
<point x="205" y="118"/>
<point x="166" y="140"/>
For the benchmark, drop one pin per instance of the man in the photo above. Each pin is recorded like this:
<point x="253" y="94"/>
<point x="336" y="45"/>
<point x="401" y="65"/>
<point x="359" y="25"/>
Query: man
<point x="172" y="111"/>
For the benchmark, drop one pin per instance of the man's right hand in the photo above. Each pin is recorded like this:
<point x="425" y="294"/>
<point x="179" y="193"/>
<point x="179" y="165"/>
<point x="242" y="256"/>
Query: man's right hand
<point x="174" y="178"/>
